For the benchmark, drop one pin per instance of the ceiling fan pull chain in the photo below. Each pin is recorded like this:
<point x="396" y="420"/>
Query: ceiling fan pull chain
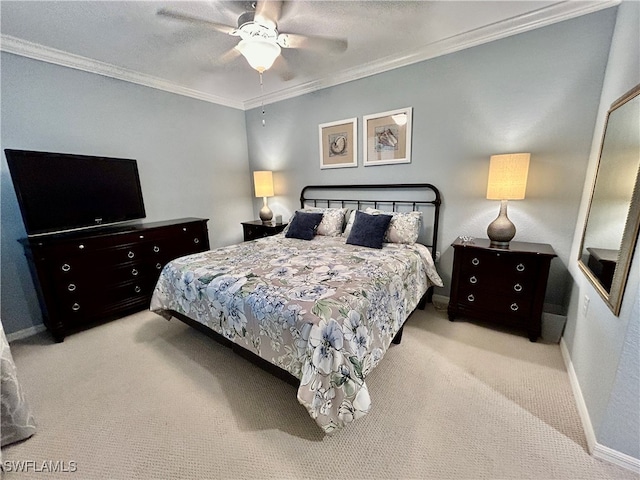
<point x="262" y="99"/>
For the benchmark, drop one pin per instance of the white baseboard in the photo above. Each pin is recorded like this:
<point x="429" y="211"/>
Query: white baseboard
<point x="577" y="393"/>
<point x="25" y="332"/>
<point x="595" y="449"/>
<point x="620" y="459"/>
<point x="440" y="300"/>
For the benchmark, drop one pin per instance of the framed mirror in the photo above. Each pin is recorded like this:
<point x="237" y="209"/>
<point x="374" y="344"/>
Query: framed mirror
<point x="611" y="229"/>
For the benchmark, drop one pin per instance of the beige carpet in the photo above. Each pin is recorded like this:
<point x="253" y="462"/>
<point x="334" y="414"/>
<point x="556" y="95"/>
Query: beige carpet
<point x="143" y="398"/>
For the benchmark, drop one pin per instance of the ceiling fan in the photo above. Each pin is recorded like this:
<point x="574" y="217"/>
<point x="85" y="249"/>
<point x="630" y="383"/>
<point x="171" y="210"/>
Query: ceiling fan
<point x="260" y="41"/>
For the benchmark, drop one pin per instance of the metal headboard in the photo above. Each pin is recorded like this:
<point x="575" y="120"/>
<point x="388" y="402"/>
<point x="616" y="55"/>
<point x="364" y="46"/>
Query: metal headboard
<point x="407" y="195"/>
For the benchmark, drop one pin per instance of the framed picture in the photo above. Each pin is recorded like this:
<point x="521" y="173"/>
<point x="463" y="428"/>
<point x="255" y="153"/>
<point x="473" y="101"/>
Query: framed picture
<point x="387" y="137"/>
<point x="338" y="144"/>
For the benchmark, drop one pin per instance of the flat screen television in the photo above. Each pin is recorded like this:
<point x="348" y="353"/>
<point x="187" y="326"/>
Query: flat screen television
<point x="60" y="192"/>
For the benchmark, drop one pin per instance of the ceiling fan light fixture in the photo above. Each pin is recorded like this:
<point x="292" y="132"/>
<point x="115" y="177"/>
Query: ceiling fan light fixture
<point x="259" y="53"/>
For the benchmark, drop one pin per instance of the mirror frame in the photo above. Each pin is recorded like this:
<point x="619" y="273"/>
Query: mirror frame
<point x="613" y="297"/>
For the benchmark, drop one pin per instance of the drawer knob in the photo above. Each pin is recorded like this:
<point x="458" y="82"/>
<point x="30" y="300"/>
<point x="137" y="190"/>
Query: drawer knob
<point x="158" y="266"/>
<point x="134" y="272"/>
<point x="131" y="254"/>
<point x="520" y="267"/>
<point x="471" y="298"/>
<point x="156" y="248"/>
<point x="473" y="279"/>
<point x="71" y="287"/>
<point x="517" y="287"/>
<point x="475" y="261"/>
<point x="141" y="236"/>
<point x="75" y="307"/>
<point x="66" y="267"/>
<point x="81" y="247"/>
<point x="514" y="307"/>
<point x="196" y="240"/>
<point x="137" y="289"/>
<point x="184" y="229"/>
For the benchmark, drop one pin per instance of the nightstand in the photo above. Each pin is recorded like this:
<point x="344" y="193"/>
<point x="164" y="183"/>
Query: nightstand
<point x="500" y="285"/>
<point x="256" y="229"/>
<point x="602" y="263"/>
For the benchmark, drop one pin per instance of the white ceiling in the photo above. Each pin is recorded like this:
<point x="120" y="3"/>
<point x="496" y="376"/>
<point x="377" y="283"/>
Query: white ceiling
<point x="129" y="41"/>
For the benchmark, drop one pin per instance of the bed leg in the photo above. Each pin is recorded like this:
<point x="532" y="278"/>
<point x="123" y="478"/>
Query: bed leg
<point x="398" y="338"/>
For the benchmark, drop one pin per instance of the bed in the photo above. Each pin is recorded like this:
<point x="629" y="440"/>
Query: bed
<point x="320" y="311"/>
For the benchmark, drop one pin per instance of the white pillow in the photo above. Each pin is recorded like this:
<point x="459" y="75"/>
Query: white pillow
<point x="347" y="228"/>
<point x="332" y="220"/>
<point x="403" y="228"/>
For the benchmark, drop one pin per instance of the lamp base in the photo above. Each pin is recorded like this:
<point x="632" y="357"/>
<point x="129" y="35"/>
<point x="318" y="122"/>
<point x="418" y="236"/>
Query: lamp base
<point x="266" y="215"/>
<point x="502" y="245"/>
<point x="501" y="230"/>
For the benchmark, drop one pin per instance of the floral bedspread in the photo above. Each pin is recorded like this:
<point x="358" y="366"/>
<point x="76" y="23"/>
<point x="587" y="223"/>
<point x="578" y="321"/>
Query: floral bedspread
<point x="323" y="310"/>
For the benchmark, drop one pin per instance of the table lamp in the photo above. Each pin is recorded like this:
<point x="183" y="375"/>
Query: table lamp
<point x="507" y="181"/>
<point x="263" y="183"/>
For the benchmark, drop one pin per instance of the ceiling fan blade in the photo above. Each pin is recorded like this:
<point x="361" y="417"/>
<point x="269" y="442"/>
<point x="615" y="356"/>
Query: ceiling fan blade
<point x="321" y="44"/>
<point x="213" y="63"/>
<point x="188" y="18"/>
<point x="281" y="67"/>
<point x="268" y="12"/>
<point x="228" y="56"/>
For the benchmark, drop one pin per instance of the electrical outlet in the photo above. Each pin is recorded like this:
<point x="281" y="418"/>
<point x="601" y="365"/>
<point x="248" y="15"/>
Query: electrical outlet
<point x="585" y="305"/>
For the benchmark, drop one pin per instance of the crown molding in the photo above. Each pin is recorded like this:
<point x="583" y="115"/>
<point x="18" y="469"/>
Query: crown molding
<point x="523" y="23"/>
<point x="36" y="51"/>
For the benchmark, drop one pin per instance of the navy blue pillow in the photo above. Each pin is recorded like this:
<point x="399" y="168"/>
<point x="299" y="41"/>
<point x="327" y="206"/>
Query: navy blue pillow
<point x="304" y="225"/>
<point x="368" y="230"/>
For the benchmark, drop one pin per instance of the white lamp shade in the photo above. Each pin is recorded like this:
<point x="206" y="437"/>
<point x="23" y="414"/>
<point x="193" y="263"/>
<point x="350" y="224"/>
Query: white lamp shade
<point x="259" y="53"/>
<point x="263" y="182"/>
<point x="508" y="176"/>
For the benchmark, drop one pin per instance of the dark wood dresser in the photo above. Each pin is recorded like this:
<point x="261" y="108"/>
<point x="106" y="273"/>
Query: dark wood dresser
<point x="500" y="285"/>
<point x="256" y="229"/>
<point x="88" y="276"/>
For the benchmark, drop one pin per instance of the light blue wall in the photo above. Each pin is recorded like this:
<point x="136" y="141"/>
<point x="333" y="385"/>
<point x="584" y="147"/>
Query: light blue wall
<point x="536" y="92"/>
<point x="192" y="155"/>
<point x="605" y="349"/>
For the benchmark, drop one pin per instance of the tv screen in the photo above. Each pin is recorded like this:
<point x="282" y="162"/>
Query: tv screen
<point x="59" y="192"/>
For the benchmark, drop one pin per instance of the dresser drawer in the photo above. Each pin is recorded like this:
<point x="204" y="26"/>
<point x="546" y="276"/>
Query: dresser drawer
<point x="65" y="266"/>
<point x="82" y="280"/>
<point x="166" y="250"/>
<point x="520" y="265"/>
<point x="483" y="282"/>
<point x="88" y="305"/>
<point x="494" y="303"/>
<point x="256" y="229"/>
<point x="499" y="272"/>
<point x="86" y="246"/>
